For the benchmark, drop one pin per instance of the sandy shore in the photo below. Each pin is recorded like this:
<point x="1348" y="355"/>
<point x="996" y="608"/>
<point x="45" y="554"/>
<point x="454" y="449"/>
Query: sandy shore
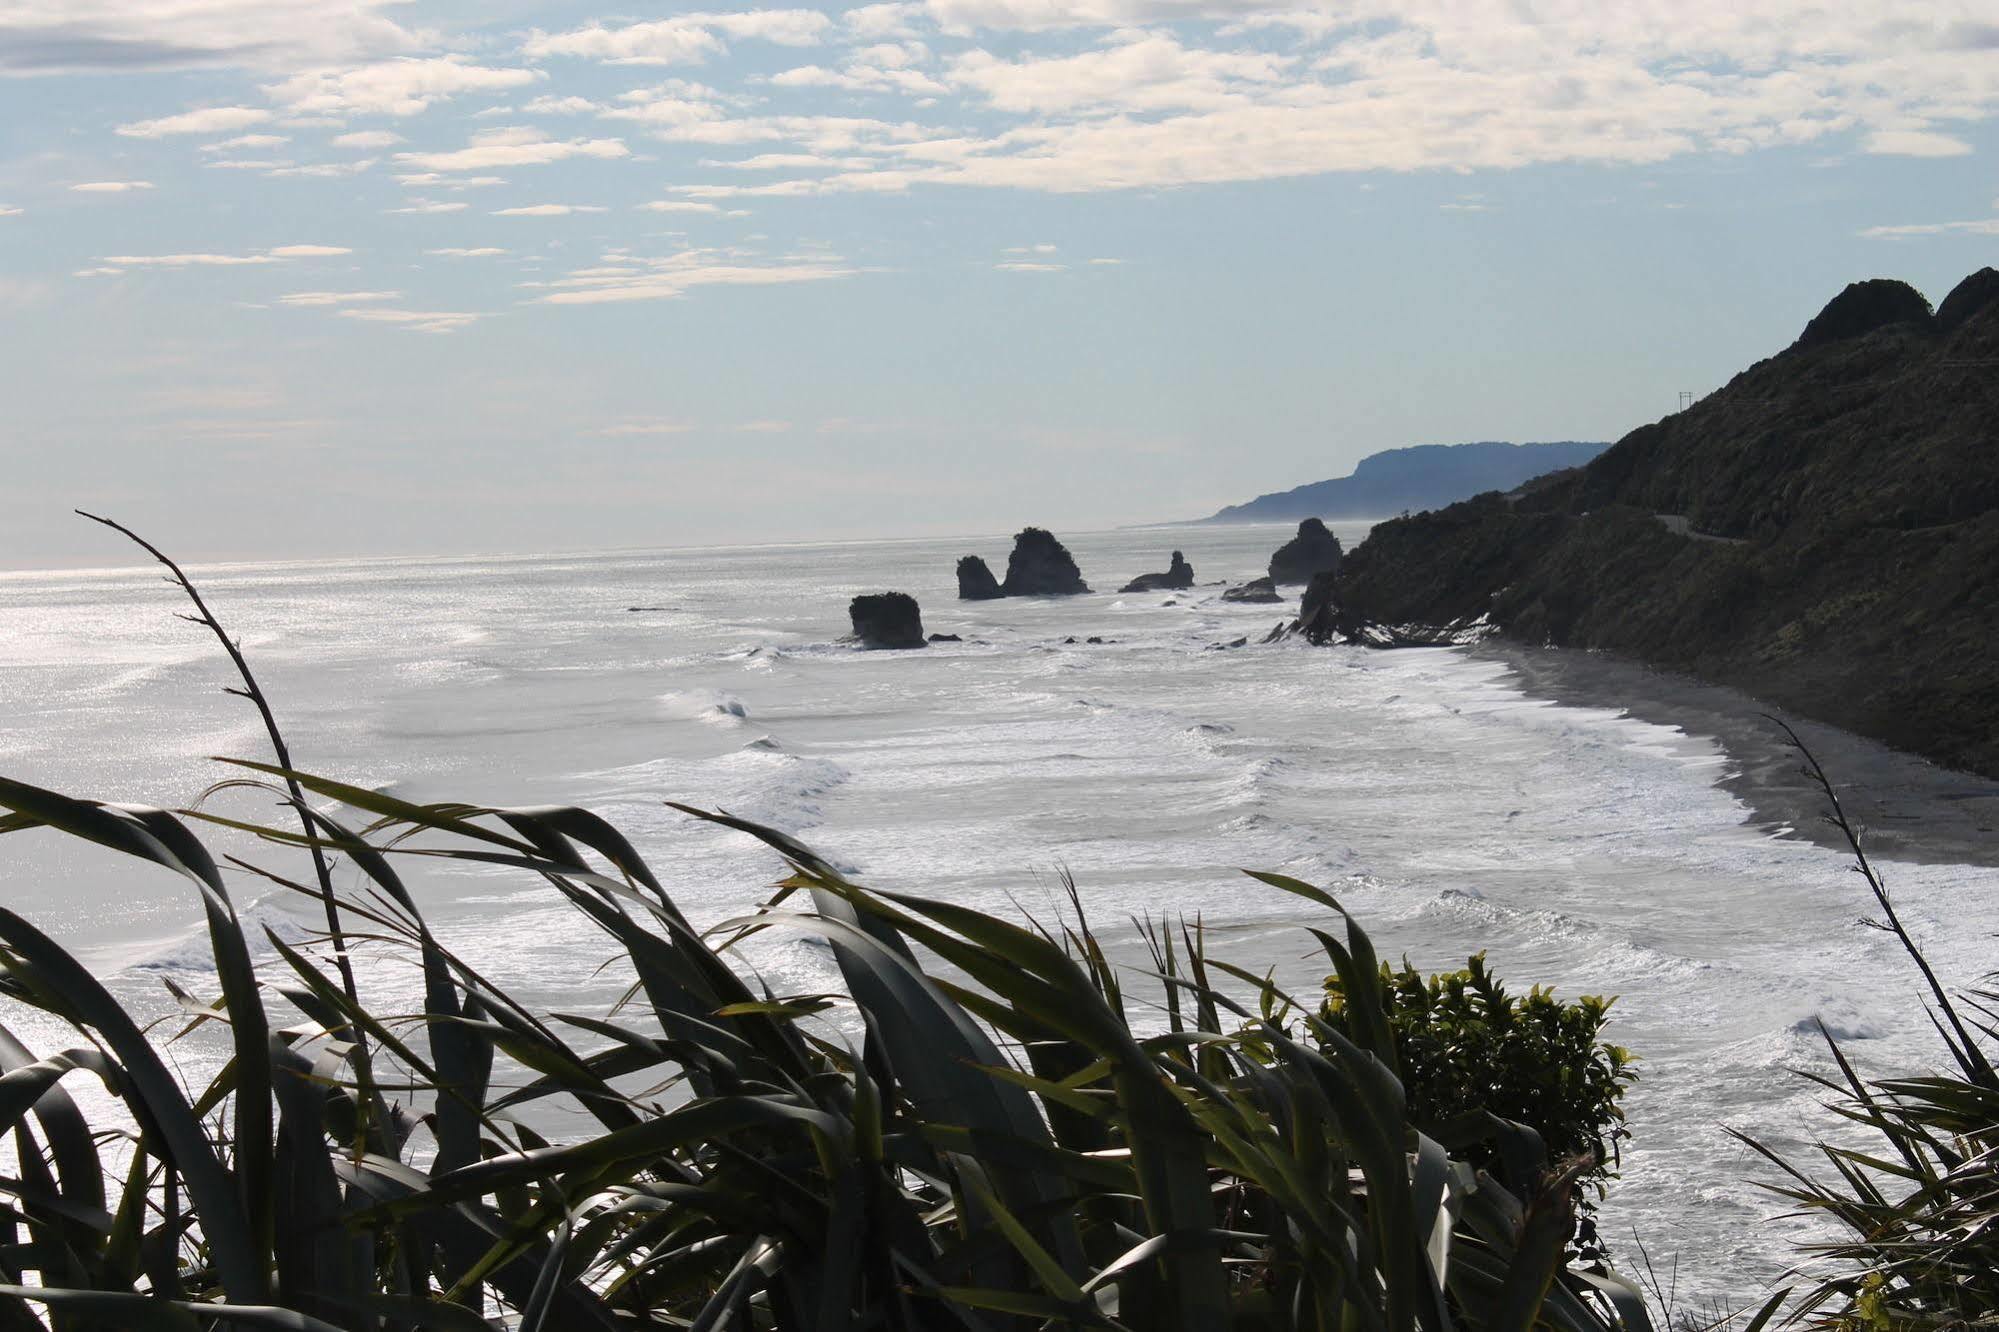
<point x="1908" y="808"/>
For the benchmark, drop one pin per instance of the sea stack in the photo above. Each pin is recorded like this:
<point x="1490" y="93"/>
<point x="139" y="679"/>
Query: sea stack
<point x="1041" y="566"/>
<point x="887" y="620"/>
<point x="1313" y="551"/>
<point x="1259" y="590"/>
<point x="1318" y="612"/>
<point x="1180" y="575"/>
<point x="976" y="581"/>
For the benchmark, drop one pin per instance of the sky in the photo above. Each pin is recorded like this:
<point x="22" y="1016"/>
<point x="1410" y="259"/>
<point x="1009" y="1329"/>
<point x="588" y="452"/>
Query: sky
<point x="302" y="278"/>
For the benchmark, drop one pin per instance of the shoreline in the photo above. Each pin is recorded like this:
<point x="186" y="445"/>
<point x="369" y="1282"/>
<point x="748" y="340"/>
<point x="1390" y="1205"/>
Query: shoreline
<point x="1908" y="808"/>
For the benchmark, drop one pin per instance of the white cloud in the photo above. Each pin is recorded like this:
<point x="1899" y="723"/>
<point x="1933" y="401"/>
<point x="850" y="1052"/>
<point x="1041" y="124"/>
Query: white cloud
<point x="1914" y="143"/>
<point x="111" y="186"/>
<point x="547" y="210"/>
<point x="1136" y="72"/>
<point x="310" y="251"/>
<point x="514" y="147"/>
<point x="885" y="20"/>
<point x="427" y="206"/>
<point x="673" y="276"/>
<point x="6" y="211"/>
<point x="478" y="252"/>
<point x="188" y="260"/>
<point x="207" y="120"/>
<point x="1042" y="248"/>
<point x="243" y="141"/>
<point x="402" y="87"/>
<point x="1988" y="226"/>
<point x="417" y="321"/>
<point x="1107" y="261"/>
<point x="672" y="206"/>
<point x="632" y="428"/>
<point x="323" y="298"/>
<point x="367" y="139"/>
<point x="684" y="39"/>
<point x="1022" y="266"/>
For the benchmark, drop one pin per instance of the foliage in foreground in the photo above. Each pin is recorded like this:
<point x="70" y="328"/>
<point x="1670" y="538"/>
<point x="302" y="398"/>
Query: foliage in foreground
<point x="1466" y="1046"/>
<point x="1004" y="1149"/>
<point x="1920" y="1211"/>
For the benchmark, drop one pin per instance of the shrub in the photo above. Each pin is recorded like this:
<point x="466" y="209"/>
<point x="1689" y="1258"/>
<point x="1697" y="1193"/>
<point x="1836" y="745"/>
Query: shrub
<point x="1465" y="1047"/>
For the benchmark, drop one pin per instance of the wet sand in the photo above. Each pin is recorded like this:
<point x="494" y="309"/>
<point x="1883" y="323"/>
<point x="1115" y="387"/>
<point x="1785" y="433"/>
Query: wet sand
<point x="1907" y="808"/>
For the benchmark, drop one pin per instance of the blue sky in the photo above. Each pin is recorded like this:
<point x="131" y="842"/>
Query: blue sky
<point x="287" y="278"/>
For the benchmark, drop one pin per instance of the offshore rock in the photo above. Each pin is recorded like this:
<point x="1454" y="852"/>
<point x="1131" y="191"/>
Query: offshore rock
<point x="1318" y="613"/>
<point x="976" y="581"/>
<point x="1180" y="574"/>
<point x="1041" y="566"/>
<point x="1313" y="551"/>
<point x="887" y="620"/>
<point x="1261" y="590"/>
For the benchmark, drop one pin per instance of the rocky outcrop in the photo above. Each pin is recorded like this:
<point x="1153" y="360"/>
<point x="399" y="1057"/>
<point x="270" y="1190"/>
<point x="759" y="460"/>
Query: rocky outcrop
<point x="1261" y="590"/>
<point x="1318" y="613"/>
<point x="976" y="581"/>
<point x="1862" y="308"/>
<point x="1313" y="551"/>
<point x="1179" y="575"/>
<point x="1041" y="566"/>
<point x="1853" y="482"/>
<point x="887" y="620"/>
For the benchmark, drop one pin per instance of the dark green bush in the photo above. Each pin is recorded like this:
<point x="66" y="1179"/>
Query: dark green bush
<point x="1467" y="1048"/>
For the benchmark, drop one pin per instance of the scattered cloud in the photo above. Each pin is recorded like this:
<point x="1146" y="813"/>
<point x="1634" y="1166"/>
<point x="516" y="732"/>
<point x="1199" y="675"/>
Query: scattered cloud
<point x="8" y="211"/>
<point x="416" y="321"/>
<point x="427" y="206"/>
<point x="320" y="298"/>
<point x="367" y="139"/>
<point x="1914" y="143"/>
<point x="513" y="147"/>
<point x="475" y="252"/>
<point x="630" y="428"/>
<point x="401" y="87"/>
<point x="672" y="276"/>
<point x="1028" y="266"/>
<point x="279" y="255"/>
<point x="310" y="251"/>
<point x="244" y="141"/>
<point x="677" y="206"/>
<point x="111" y="186"/>
<point x="547" y="210"/>
<point x="685" y="39"/>
<point x="1988" y="226"/>
<point x="207" y="120"/>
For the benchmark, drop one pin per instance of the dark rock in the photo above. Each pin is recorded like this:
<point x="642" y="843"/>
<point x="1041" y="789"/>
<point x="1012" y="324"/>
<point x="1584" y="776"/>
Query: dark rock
<point x="1181" y="574"/>
<point x="1966" y="299"/>
<point x="639" y="609"/>
<point x="1858" y="483"/>
<point x="1862" y="308"/>
<point x="1318" y="613"/>
<point x="1070" y="639"/>
<point x="1261" y="590"/>
<point x="1313" y="551"/>
<point x="887" y="620"/>
<point x="1093" y="639"/>
<point x="976" y="581"/>
<point x="1223" y="647"/>
<point x="945" y="638"/>
<point x="1041" y="566"/>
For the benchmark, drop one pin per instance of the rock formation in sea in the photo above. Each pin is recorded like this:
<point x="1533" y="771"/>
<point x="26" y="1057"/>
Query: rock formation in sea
<point x="1318" y="612"/>
<point x="1258" y="590"/>
<point x="1179" y="575"/>
<point x="976" y="581"/>
<point x="1313" y="551"/>
<point x="1822" y="533"/>
<point x="1041" y="566"/>
<point x="887" y="620"/>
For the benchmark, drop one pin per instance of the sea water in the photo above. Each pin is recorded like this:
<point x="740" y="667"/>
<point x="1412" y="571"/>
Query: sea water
<point x="1577" y="847"/>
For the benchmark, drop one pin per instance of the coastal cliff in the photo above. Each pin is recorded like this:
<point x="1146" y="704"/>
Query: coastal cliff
<point x="1823" y="533"/>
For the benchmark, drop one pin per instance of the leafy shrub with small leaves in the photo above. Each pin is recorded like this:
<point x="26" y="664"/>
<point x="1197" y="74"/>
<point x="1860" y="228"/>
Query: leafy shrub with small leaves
<point x="1468" y="1048"/>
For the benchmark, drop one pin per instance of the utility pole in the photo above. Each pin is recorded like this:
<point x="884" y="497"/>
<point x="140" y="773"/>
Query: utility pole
<point x="1686" y="400"/>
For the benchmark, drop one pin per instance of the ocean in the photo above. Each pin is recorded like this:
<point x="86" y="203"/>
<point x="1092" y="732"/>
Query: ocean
<point x="1579" y="848"/>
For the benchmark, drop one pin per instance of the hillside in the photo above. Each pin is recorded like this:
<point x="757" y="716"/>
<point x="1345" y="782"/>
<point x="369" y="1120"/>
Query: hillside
<point x="1427" y="476"/>
<point x="1823" y="533"/>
